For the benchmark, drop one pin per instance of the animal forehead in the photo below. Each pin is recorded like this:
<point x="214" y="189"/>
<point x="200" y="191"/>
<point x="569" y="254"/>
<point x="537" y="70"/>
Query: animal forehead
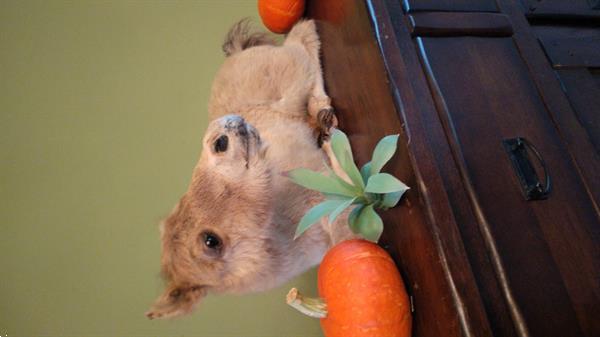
<point x="180" y="218"/>
<point x="205" y="204"/>
<point x="209" y="192"/>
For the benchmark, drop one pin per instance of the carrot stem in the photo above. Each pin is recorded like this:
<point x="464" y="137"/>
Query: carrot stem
<point x="313" y="307"/>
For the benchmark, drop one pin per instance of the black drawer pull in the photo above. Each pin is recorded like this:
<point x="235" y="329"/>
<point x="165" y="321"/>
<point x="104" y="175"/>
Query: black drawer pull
<point x="530" y="183"/>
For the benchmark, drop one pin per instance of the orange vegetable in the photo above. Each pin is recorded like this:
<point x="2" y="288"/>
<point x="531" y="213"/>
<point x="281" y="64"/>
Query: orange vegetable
<point x="280" y="15"/>
<point x="362" y="293"/>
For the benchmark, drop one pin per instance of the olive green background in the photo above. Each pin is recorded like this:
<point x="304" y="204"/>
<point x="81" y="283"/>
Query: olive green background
<point x="102" y="111"/>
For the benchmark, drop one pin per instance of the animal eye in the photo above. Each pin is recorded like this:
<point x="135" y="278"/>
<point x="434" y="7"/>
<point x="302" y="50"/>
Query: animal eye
<point x="221" y="144"/>
<point x="211" y="240"/>
<point x="175" y="293"/>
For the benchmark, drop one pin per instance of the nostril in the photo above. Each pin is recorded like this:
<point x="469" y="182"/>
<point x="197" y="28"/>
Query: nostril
<point x="242" y="130"/>
<point x="221" y="144"/>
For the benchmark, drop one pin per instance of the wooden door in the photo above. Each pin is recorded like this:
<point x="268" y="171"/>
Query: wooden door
<point x="465" y="77"/>
<point x="546" y="250"/>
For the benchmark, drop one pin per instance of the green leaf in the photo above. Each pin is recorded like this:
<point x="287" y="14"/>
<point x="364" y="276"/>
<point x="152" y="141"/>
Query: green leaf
<point x="353" y="216"/>
<point x="369" y="224"/>
<point x="357" y="190"/>
<point x="316" y="213"/>
<point x="365" y="172"/>
<point x="384" y="183"/>
<point x="319" y="182"/>
<point x="340" y="209"/>
<point x="341" y="148"/>
<point x="330" y="196"/>
<point x="383" y="152"/>
<point x="391" y="199"/>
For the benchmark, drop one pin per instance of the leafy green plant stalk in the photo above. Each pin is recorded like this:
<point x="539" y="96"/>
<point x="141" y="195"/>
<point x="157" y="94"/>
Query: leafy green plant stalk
<point x="370" y="189"/>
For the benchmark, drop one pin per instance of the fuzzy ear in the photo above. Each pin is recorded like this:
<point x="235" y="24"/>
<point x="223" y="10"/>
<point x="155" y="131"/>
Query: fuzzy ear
<point x="176" y="301"/>
<point x="241" y="37"/>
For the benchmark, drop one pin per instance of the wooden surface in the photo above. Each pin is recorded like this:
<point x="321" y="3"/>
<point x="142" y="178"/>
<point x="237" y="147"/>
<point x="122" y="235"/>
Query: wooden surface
<point x="586" y="158"/>
<point x="450" y="5"/>
<point x="459" y="24"/>
<point x="562" y="9"/>
<point x="478" y="259"/>
<point x="570" y="52"/>
<point x="526" y="234"/>
<point x="435" y="271"/>
<point x="582" y="87"/>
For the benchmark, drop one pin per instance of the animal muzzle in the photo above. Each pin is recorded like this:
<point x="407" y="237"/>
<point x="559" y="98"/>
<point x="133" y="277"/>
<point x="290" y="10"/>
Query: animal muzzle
<point x="237" y="125"/>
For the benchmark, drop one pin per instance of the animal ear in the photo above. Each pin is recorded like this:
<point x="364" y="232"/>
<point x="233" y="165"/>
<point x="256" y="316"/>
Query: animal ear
<point x="241" y="37"/>
<point x="176" y="300"/>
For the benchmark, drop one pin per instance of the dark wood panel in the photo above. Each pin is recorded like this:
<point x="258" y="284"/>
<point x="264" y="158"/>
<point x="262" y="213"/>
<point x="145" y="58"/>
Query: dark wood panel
<point x="546" y="246"/>
<point x="427" y="249"/>
<point x="560" y="30"/>
<point x="459" y="24"/>
<point x="450" y="5"/>
<point x="426" y="141"/>
<point x="478" y="259"/>
<point x="419" y="113"/>
<point x="573" y="52"/>
<point x="595" y="75"/>
<point x="562" y="9"/>
<point x="583" y="90"/>
<point x="549" y="87"/>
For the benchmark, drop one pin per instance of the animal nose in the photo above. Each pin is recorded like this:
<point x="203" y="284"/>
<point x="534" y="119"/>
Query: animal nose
<point x="235" y="123"/>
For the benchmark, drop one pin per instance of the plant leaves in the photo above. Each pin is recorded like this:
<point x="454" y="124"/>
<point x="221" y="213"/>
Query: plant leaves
<point x="319" y="182"/>
<point x="391" y="199"/>
<point x="384" y="183"/>
<point x="369" y="224"/>
<point x="340" y="209"/>
<point x="330" y="196"/>
<point x="332" y="174"/>
<point x="316" y="213"/>
<point x="341" y="148"/>
<point x="383" y="152"/>
<point x="353" y="216"/>
<point x="365" y="172"/>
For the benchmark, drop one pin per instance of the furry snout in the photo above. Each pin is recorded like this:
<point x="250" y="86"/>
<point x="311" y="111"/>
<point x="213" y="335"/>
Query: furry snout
<point x="237" y="125"/>
<point x="230" y="139"/>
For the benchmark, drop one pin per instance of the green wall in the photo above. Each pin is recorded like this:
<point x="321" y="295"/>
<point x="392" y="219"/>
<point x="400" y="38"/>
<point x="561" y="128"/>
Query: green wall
<point x="102" y="111"/>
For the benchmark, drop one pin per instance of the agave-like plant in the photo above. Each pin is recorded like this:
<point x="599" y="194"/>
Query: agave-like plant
<point x="368" y="191"/>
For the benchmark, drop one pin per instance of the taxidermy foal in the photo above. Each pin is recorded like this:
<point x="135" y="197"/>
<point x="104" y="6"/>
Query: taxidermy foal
<point x="233" y="229"/>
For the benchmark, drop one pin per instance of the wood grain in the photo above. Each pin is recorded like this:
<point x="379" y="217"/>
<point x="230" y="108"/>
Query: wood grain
<point x="586" y="158"/>
<point x="450" y="5"/>
<point x="478" y="258"/>
<point x="583" y="89"/>
<point x="572" y="52"/>
<point x="447" y="302"/>
<point x="459" y="24"/>
<point x="562" y="10"/>
<point x="527" y="234"/>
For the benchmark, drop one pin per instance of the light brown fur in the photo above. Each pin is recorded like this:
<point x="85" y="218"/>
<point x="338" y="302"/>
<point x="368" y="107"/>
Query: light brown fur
<point x="242" y="194"/>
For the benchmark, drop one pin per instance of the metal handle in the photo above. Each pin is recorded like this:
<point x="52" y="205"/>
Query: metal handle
<point x="530" y="183"/>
